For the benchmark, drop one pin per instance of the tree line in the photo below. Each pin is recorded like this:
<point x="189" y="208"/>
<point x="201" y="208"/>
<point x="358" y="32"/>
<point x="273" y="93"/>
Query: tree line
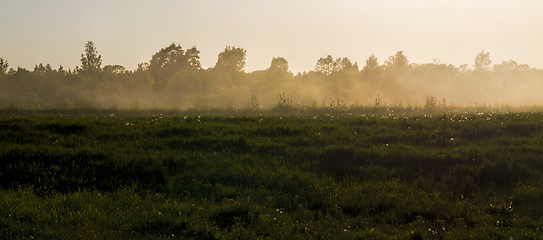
<point x="174" y="78"/>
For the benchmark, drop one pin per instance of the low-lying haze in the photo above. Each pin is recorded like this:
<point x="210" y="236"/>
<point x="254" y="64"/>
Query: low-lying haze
<point x="244" y="53"/>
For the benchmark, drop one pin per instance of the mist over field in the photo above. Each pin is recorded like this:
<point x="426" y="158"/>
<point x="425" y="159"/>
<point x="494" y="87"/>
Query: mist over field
<point x="327" y="119"/>
<point x="174" y="79"/>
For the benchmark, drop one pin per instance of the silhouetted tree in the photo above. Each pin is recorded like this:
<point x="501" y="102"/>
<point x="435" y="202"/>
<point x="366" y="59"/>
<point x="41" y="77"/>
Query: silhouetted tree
<point x="278" y="65"/>
<point x="337" y="76"/>
<point x="396" y="75"/>
<point x="431" y="103"/>
<point x="507" y="66"/>
<point x="371" y="69"/>
<point x="166" y="62"/>
<point x="61" y="69"/>
<point x="193" y="55"/>
<point x="398" y="62"/>
<point x="231" y="61"/>
<point x="482" y="62"/>
<point x="171" y="60"/>
<point x="275" y="76"/>
<point x="330" y="65"/>
<point x="90" y="61"/>
<point x="345" y="64"/>
<point x="464" y="68"/>
<point x="40" y="69"/>
<point x="326" y="65"/>
<point x="24" y="79"/>
<point x="114" y="69"/>
<point x="142" y="78"/>
<point x="371" y="64"/>
<point x="5" y="89"/>
<point x="115" y="75"/>
<point x="3" y="66"/>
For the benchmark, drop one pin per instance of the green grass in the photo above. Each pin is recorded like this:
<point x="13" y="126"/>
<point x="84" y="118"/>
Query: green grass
<point x="289" y="176"/>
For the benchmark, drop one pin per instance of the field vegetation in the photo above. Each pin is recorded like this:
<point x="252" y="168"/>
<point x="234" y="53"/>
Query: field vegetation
<point x="288" y="173"/>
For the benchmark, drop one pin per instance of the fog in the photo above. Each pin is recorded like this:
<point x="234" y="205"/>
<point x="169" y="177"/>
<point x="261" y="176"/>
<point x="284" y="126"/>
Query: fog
<point x="174" y="79"/>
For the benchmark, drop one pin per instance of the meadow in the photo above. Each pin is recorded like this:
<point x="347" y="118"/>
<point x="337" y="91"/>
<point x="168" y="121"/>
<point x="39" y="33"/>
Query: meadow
<point x="156" y="175"/>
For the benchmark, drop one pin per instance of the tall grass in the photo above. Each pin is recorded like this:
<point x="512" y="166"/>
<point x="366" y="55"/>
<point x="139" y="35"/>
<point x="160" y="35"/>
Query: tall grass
<point x="290" y="175"/>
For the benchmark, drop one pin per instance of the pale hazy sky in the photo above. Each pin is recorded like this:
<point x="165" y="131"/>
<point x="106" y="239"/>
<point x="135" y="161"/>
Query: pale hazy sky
<point x="130" y="32"/>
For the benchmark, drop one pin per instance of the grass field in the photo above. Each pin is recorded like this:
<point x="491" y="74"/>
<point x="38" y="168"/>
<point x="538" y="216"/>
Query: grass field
<point x="276" y="176"/>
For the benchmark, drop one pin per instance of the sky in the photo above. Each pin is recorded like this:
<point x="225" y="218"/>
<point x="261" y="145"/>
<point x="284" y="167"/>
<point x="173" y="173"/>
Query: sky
<point x="302" y="31"/>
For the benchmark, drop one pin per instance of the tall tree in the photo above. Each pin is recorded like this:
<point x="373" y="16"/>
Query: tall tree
<point x="193" y="55"/>
<point x="166" y="62"/>
<point x="114" y="69"/>
<point x="3" y="66"/>
<point x="371" y="67"/>
<point x="277" y="73"/>
<point x="506" y="66"/>
<point x="371" y="64"/>
<point x="397" y="62"/>
<point x="170" y="61"/>
<point x="279" y="65"/>
<point x="231" y="60"/>
<point x="482" y="62"/>
<point x="345" y="64"/>
<point x="326" y="65"/>
<point x="330" y="65"/>
<point x="91" y="61"/>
